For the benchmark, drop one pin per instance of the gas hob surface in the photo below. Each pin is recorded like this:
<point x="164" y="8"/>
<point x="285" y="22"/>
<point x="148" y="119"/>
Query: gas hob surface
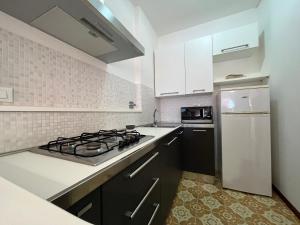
<point x="93" y="148"/>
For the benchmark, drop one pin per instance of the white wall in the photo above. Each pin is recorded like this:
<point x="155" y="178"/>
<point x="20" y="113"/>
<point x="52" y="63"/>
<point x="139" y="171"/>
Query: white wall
<point x="282" y="29"/>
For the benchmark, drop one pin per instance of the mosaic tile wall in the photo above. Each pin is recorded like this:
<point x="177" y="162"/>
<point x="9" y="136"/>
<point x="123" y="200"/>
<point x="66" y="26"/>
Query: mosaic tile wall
<point x="44" y="77"/>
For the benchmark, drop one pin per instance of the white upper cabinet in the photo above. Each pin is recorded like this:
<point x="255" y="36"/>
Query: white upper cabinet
<point x="170" y="71"/>
<point x="235" y="43"/>
<point x="199" y="65"/>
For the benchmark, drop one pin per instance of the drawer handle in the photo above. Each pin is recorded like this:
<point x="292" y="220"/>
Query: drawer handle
<point x="156" y="205"/>
<point x="169" y="143"/>
<point x="236" y="48"/>
<point x="133" y="174"/>
<point x="200" y="90"/>
<point x="132" y="214"/>
<point x="170" y="93"/>
<point x="180" y="133"/>
<point x="199" y="130"/>
<point x="85" y="209"/>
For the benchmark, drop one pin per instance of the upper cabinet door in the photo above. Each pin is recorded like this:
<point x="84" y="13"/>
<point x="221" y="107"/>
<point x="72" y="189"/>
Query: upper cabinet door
<point x="241" y="38"/>
<point x="170" y="71"/>
<point x="199" y="65"/>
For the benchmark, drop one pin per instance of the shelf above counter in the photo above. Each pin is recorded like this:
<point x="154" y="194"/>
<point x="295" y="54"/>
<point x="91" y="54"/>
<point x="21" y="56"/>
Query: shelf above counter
<point x="246" y="79"/>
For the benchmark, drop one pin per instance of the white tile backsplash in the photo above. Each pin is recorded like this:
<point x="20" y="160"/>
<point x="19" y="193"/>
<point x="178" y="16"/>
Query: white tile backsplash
<point x="169" y="107"/>
<point x="45" y="77"/>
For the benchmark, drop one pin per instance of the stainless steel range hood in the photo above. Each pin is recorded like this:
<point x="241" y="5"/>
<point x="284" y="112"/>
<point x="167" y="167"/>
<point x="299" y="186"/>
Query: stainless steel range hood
<point x="85" y="24"/>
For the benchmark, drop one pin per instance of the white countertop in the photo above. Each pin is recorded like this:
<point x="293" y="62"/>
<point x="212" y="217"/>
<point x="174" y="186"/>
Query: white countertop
<point x="19" y="207"/>
<point x="45" y="177"/>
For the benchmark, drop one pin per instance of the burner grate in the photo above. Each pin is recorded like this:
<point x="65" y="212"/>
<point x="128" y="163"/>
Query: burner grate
<point x="93" y="144"/>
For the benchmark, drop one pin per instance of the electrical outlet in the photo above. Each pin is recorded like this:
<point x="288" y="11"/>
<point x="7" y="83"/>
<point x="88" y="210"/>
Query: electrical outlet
<point x="6" y="94"/>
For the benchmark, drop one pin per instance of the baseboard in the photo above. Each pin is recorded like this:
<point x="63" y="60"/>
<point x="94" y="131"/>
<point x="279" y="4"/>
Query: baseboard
<point x="287" y="202"/>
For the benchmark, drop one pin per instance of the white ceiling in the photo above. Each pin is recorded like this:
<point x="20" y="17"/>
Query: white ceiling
<point x="167" y="16"/>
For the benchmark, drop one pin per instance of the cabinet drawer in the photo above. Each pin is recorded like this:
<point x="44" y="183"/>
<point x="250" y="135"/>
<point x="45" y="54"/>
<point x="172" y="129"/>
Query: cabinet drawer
<point x="124" y="192"/>
<point x="149" y="211"/>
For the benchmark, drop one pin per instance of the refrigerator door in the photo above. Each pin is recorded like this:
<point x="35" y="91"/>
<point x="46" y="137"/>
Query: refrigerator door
<point x="246" y="153"/>
<point x="252" y="100"/>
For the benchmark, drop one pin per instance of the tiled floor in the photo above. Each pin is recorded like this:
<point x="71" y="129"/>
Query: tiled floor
<point x="201" y="201"/>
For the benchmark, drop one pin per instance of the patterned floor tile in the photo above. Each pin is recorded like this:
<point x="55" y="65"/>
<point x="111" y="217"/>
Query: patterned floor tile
<point x="210" y="219"/>
<point x="200" y="200"/>
<point x="227" y="216"/>
<point x="197" y="208"/>
<point x="224" y="198"/>
<point x="211" y="202"/>
<point x="181" y="213"/>
<point x="277" y="218"/>
<point x="254" y="205"/>
<point x="241" y="210"/>
<point x="185" y="196"/>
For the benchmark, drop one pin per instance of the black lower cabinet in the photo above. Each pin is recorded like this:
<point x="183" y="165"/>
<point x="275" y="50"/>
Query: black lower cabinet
<point x="133" y="196"/>
<point x="198" y="150"/>
<point x="170" y="163"/>
<point x="88" y="208"/>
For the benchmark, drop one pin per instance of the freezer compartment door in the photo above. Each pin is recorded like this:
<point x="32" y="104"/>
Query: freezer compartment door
<point x="246" y="153"/>
<point x="255" y="100"/>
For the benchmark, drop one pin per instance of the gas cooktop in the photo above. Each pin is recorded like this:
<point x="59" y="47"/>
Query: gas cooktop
<point x="93" y="148"/>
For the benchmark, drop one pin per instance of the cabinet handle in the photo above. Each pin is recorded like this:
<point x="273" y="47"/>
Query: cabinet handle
<point x="85" y="209"/>
<point x="236" y="48"/>
<point x="170" y="93"/>
<point x="169" y="143"/>
<point x="156" y="205"/>
<point x="180" y="133"/>
<point x="132" y="214"/>
<point x="199" y="90"/>
<point x="199" y="130"/>
<point x="133" y="174"/>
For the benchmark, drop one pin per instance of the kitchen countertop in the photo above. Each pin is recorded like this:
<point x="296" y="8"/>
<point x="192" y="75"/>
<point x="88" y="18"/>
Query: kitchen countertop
<point x="19" y="207"/>
<point x="45" y="177"/>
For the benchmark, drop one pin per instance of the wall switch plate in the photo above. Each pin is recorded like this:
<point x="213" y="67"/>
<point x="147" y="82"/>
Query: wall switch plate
<point x="6" y="94"/>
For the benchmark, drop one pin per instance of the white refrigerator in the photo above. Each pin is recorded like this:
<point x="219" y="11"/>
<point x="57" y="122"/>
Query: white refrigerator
<point x="246" y="139"/>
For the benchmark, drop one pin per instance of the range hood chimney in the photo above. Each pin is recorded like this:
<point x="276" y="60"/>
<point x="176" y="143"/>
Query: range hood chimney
<point x="85" y="24"/>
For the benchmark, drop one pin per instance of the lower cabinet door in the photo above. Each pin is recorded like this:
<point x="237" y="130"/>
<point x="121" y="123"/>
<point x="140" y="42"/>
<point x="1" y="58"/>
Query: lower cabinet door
<point x="198" y="150"/>
<point x="88" y="208"/>
<point x="171" y="171"/>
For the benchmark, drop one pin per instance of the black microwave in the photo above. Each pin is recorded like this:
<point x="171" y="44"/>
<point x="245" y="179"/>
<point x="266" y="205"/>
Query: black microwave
<point x="199" y="114"/>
